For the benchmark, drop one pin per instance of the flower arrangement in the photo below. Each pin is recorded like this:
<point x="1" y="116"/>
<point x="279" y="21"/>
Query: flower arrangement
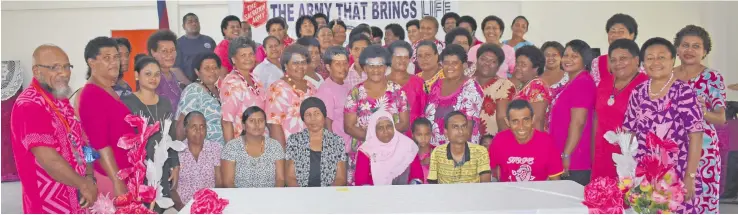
<point x="206" y="201"/>
<point x="138" y="193"/>
<point x="651" y="185"/>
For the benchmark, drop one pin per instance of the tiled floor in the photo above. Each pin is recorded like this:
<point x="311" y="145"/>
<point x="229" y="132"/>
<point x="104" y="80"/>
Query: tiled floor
<point x="11" y="201"/>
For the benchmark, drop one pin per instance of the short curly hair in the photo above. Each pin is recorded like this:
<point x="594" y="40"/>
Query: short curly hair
<point x="374" y="51"/>
<point x="553" y="44"/>
<point x="458" y="31"/>
<point x="693" y="30"/>
<point x="454" y="50"/>
<point x="494" y="49"/>
<point x="657" y="41"/>
<point x="291" y="50"/>
<point x="158" y="36"/>
<point x="535" y="55"/>
<point x="496" y="19"/>
<point x="239" y="43"/>
<point x="628" y="21"/>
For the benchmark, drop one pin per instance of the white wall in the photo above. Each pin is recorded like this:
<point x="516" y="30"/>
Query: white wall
<point x="70" y="25"/>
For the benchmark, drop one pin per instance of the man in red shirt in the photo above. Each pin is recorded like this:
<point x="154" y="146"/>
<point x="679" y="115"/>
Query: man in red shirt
<point x="47" y="140"/>
<point x="522" y="153"/>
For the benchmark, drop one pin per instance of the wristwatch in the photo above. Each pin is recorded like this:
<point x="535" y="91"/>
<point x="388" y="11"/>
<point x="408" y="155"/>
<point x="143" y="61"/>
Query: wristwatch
<point x="565" y="156"/>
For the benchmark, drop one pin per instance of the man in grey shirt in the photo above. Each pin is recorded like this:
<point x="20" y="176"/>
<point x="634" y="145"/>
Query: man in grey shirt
<point x="191" y="44"/>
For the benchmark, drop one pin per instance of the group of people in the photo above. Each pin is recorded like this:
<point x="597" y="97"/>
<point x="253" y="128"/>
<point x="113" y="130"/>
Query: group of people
<point x="309" y="112"/>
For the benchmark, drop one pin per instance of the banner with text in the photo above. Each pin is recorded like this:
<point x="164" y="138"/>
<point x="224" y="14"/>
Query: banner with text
<point x="375" y="13"/>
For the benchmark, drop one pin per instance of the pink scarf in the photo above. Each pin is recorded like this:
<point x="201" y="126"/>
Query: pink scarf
<point x="388" y="160"/>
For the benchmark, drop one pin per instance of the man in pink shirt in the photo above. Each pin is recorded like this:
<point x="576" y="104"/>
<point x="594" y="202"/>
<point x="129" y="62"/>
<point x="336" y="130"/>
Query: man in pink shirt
<point x="522" y="153"/>
<point x="47" y="141"/>
<point x="230" y="27"/>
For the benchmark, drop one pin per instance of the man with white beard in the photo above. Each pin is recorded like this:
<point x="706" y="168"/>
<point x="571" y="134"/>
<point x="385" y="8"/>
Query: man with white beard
<point x="47" y="140"/>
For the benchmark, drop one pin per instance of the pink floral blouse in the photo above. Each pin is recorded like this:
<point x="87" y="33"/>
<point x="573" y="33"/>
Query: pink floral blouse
<point x="467" y="99"/>
<point x="236" y="95"/>
<point x="358" y="101"/>
<point x="198" y="173"/>
<point x="283" y="106"/>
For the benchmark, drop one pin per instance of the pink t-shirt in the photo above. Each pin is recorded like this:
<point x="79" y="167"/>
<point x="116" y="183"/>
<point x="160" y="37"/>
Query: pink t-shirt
<point x="334" y="97"/>
<point x="103" y="120"/>
<point x="579" y="93"/>
<point x="536" y="160"/>
<point x="222" y="51"/>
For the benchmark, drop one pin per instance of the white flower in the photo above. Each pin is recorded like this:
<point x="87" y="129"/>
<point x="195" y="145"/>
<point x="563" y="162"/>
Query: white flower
<point x="155" y="168"/>
<point x="625" y="162"/>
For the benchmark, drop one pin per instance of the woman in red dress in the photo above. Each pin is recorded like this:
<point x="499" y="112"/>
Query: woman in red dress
<point x="613" y="93"/>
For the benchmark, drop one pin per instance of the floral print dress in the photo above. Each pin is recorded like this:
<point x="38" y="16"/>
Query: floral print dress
<point x="467" y="99"/>
<point x="672" y="117"/>
<point x="537" y="91"/>
<point x="236" y="95"/>
<point x="358" y="102"/>
<point x="283" y="106"/>
<point x="710" y="87"/>
<point x="494" y="91"/>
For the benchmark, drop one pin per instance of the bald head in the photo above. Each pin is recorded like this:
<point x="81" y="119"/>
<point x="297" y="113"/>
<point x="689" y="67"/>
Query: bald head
<point x="52" y="69"/>
<point x="46" y="52"/>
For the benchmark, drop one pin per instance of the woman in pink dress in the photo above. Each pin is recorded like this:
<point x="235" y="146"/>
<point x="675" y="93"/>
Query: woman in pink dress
<point x="400" y="52"/>
<point x="571" y="114"/>
<point x="102" y="114"/>
<point x="388" y="157"/>
<point x="612" y="100"/>
<point x="286" y="94"/>
<point x="694" y="44"/>
<point x="456" y="92"/>
<point x="240" y="89"/>
<point x="666" y="108"/>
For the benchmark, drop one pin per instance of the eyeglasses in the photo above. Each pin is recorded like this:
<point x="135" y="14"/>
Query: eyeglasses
<point x="57" y="68"/>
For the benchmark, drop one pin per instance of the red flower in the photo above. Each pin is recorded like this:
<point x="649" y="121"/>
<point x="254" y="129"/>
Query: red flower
<point x="206" y="201"/>
<point x="654" y="142"/>
<point x="489" y="106"/>
<point x="602" y="196"/>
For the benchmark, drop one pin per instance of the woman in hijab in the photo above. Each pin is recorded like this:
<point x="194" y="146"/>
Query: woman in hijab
<point x="315" y="156"/>
<point x="387" y="157"/>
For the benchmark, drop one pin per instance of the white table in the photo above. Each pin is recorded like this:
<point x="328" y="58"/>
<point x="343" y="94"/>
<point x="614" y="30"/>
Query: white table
<point x="559" y="197"/>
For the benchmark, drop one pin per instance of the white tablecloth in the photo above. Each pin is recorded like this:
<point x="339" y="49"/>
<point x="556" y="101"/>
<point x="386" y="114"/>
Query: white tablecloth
<point x="560" y="197"/>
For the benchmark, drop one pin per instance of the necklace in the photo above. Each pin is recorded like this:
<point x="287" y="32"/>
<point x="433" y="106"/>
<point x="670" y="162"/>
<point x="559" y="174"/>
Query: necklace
<point x="611" y="100"/>
<point x="292" y="83"/>
<point x="256" y="159"/>
<point x="210" y="92"/>
<point x="662" y="88"/>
